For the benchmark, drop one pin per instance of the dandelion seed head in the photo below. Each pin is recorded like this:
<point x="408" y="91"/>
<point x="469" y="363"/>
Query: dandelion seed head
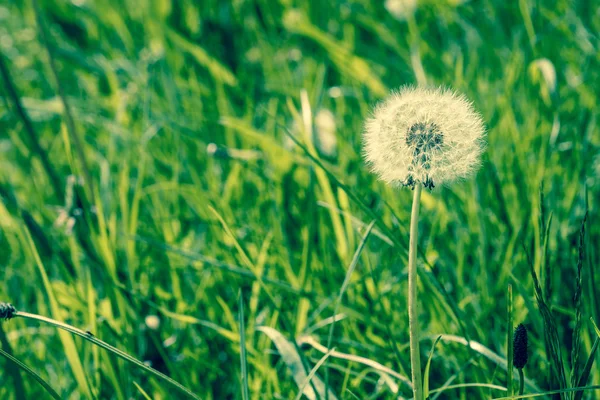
<point x="423" y="135"/>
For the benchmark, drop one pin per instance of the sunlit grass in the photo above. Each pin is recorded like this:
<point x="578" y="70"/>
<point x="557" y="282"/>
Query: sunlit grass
<point x="162" y="226"/>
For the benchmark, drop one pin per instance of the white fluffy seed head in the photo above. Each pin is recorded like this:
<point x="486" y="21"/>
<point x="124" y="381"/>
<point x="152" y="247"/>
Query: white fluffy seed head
<point x="430" y="136"/>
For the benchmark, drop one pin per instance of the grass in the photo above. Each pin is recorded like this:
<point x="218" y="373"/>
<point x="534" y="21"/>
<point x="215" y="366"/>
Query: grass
<point x="113" y="210"/>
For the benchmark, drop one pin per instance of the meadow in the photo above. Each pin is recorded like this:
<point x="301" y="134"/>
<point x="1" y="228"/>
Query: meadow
<point x="183" y="194"/>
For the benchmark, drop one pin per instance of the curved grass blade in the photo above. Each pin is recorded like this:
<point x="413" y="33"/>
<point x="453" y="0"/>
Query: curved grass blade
<point x="312" y="373"/>
<point x="119" y="353"/>
<point x="487" y="353"/>
<point x="543" y="394"/>
<point x="379" y="368"/>
<point x="35" y="376"/>
<point x="427" y="367"/>
<point x="13" y="372"/>
<point x="465" y="385"/>
<point x="293" y="361"/>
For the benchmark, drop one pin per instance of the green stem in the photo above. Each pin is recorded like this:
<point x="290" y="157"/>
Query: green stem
<point x="91" y="338"/>
<point x="415" y="356"/>
<point x="521" y="381"/>
<point x="509" y="343"/>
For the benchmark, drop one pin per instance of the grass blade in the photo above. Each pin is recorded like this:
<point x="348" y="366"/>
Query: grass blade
<point x="379" y="368"/>
<point x="587" y="369"/>
<point x="585" y="374"/>
<point x="550" y="330"/>
<point x="550" y="392"/>
<point x="35" y="376"/>
<point x="427" y="367"/>
<point x="119" y="353"/>
<point x="351" y="269"/>
<point x="67" y="341"/>
<point x="509" y="344"/>
<point x="577" y="304"/>
<point x="142" y="391"/>
<point x="312" y="373"/>
<point x="293" y="361"/>
<point x="243" y="361"/>
<point x="13" y="372"/>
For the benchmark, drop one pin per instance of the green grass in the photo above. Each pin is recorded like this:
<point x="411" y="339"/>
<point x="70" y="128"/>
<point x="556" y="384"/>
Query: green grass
<point x="113" y="209"/>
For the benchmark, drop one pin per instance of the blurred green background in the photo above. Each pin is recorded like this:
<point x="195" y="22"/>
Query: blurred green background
<point x="209" y="150"/>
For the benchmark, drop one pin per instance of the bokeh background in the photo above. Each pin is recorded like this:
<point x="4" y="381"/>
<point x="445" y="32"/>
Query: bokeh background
<point x="174" y="170"/>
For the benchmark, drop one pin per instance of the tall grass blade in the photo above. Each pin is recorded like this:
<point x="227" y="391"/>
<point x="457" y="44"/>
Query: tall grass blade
<point x="550" y="329"/>
<point x="587" y="369"/>
<point x="142" y="391"/>
<point x="509" y="342"/>
<point x="34" y="142"/>
<point x="351" y="269"/>
<point x="243" y="360"/>
<point x="576" y="346"/>
<point x="67" y="341"/>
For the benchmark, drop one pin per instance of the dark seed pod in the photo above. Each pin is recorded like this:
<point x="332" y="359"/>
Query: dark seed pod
<point x="7" y="311"/>
<point x="520" y="346"/>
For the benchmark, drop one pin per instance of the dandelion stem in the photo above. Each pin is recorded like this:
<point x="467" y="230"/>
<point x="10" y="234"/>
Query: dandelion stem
<point x="415" y="356"/>
<point x="521" y="381"/>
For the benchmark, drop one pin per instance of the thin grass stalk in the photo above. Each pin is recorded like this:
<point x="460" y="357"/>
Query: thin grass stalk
<point x="509" y="344"/>
<point x="521" y="381"/>
<point x="413" y="306"/>
<point x="70" y="121"/>
<point x="119" y="353"/>
<point x="243" y="359"/>
<point x="576" y="338"/>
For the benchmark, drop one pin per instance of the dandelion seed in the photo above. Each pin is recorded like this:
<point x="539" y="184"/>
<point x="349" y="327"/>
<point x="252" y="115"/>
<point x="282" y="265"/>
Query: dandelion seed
<point x="427" y="136"/>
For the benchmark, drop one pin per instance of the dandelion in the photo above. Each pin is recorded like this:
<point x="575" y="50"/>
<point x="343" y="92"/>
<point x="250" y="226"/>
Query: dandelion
<point x="428" y="136"/>
<point x="422" y="137"/>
